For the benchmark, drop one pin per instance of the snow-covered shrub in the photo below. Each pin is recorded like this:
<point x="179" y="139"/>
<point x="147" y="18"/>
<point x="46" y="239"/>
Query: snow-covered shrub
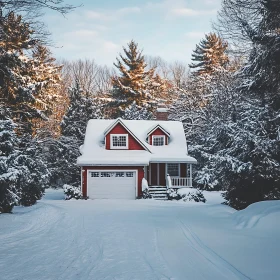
<point x="173" y="195"/>
<point x="196" y="196"/>
<point x="186" y="194"/>
<point x="72" y="192"/>
<point x="145" y="190"/>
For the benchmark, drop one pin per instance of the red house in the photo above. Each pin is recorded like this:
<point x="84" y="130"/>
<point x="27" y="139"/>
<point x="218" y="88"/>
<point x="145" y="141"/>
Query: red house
<point x="118" y="154"/>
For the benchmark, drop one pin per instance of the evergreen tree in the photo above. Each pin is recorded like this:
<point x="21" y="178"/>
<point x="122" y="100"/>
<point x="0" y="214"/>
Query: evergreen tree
<point x="135" y="112"/>
<point x="81" y="109"/>
<point x="8" y="143"/>
<point x="209" y="54"/>
<point x="136" y="84"/>
<point x="62" y="153"/>
<point x="46" y="75"/>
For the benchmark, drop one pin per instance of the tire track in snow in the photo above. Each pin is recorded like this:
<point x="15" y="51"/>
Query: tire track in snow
<point x="224" y="267"/>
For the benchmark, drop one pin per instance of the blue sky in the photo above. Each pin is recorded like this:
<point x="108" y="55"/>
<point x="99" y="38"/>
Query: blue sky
<point x="99" y="29"/>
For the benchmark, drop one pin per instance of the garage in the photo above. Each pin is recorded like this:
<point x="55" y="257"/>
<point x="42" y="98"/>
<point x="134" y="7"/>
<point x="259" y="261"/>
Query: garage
<point x="112" y="184"/>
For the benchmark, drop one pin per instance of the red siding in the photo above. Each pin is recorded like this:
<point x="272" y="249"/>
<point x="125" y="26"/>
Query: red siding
<point x="119" y="129"/>
<point x="140" y="170"/>
<point x="158" y="131"/>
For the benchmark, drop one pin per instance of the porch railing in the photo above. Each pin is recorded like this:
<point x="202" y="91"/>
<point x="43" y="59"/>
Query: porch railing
<point x="180" y="182"/>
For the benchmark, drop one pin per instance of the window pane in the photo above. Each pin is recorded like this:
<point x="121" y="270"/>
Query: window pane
<point x="119" y="141"/>
<point x="129" y="174"/>
<point x="119" y="174"/>
<point x="94" y="174"/>
<point x="158" y="140"/>
<point x="107" y="174"/>
<point x="173" y="169"/>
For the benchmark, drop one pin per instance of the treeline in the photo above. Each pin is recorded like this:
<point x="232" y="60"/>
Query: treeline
<point x="227" y="98"/>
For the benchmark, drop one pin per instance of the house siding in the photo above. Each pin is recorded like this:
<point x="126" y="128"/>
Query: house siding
<point x="159" y="132"/>
<point x="85" y="170"/>
<point x="119" y="129"/>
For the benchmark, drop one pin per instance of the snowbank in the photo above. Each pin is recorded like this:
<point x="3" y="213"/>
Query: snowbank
<point x="261" y="214"/>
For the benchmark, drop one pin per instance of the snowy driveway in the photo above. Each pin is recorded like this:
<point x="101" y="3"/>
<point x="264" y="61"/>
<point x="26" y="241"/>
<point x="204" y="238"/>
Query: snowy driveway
<point x="107" y="239"/>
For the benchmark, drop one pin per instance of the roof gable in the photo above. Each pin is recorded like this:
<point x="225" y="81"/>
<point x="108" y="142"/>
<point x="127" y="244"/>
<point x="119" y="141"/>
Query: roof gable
<point x="120" y="122"/>
<point x="158" y="126"/>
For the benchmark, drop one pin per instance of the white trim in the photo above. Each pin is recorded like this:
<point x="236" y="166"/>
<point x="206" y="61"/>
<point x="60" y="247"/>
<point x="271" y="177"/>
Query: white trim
<point x="81" y="181"/>
<point x="159" y="136"/>
<point x="112" y="147"/>
<point x="116" y="170"/>
<point x="190" y="175"/>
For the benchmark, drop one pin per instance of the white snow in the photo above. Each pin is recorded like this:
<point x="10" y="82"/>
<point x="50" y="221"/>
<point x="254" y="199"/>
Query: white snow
<point x="145" y="185"/>
<point x="141" y="239"/>
<point x="94" y="152"/>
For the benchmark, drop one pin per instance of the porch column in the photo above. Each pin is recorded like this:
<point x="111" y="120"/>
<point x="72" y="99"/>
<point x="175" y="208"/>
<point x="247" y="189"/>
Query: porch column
<point x="190" y="175"/>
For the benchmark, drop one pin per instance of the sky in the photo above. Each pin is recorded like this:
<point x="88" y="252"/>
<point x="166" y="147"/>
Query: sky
<point x="100" y="28"/>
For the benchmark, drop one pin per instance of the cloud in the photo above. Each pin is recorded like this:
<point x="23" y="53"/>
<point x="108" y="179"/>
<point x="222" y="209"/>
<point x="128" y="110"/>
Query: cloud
<point x="81" y="34"/>
<point x="110" y="15"/>
<point x="185" y="12"/>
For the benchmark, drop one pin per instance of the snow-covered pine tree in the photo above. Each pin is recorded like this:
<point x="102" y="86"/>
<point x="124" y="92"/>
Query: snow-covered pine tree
<point x="135" y="112"/>
<point x="46" y="74"/>
<point x="8" y="146"/>
<point x="135" y="84"/>
<point x="209" y="54"/>
<point x="61" y="154"/>
<point x="81" y="109"/>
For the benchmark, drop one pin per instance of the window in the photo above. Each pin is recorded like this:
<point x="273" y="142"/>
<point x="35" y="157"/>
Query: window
<point x="94" y="174"/>
<point x="173" y="169"/>
<point x="119" y="141"/>
<point x="119" y="174"/>
<point x="158" y="140"/>
<point x="129" y="174"/>
<point x="107" y="174"/>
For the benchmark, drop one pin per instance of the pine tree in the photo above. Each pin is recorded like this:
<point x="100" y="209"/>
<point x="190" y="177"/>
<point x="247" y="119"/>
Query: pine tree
<point x="135" y="112"/>
<point x="8" y="143"/>
<point x="136" y="84"/>
<point x="46" y="74"/>
<point x="209" y="54"/>
<point x="81" y="109"/>
<point x="22" y="85"/>
<point x="62" y="153"/>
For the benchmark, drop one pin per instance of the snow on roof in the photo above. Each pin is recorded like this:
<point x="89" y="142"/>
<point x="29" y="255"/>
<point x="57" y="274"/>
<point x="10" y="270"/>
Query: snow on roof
<point x="152" y="129"/>
<point x="94" y="152"/>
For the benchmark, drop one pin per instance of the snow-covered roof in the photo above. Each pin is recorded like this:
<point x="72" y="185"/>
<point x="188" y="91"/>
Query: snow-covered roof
<point x="94" y="152"/>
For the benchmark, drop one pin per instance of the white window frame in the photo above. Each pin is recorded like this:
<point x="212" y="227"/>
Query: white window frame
<point x="118" y="147"/>
<point x="158" y="136"/>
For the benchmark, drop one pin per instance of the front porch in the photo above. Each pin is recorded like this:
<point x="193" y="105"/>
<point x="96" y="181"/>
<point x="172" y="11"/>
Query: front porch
<point x="180" y="174"/>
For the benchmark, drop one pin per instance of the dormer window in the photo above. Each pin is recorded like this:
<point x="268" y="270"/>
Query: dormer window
<point x="119" y="141"/>
<point x="158" y="140"/>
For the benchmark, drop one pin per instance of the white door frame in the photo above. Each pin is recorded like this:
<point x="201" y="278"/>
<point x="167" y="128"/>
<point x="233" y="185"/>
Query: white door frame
<point x="116" y="170"/>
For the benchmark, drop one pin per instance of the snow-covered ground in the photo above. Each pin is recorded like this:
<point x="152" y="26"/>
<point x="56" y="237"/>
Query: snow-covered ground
<point x="142" y="239"/>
